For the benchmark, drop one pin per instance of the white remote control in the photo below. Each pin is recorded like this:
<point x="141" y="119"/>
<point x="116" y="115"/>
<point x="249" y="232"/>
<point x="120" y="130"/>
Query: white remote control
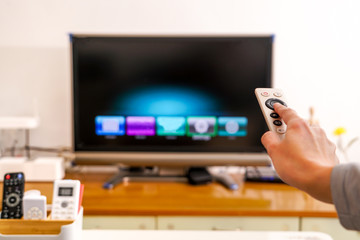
<point x="267" y="97"/>
<point x="65" y="202"/>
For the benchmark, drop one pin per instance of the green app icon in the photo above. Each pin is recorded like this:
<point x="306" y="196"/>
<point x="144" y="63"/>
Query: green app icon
<point x="201" y="126"/>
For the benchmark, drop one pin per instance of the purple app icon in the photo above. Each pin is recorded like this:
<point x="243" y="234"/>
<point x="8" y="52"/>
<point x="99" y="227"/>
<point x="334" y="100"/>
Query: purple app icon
<point x="140" y="126"/>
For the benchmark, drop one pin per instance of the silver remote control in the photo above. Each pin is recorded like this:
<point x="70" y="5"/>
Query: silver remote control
<point x="267" y="97"/>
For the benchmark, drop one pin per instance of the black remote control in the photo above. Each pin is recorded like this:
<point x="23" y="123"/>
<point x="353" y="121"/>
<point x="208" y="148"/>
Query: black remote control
<point x="12" y="195"/>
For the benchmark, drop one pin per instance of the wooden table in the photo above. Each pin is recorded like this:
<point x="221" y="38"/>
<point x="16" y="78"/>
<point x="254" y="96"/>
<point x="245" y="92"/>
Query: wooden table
<point x="180" y="199"/>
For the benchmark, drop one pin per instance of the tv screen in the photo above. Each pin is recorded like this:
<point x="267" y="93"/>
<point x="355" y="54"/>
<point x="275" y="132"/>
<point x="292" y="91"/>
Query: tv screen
<point x="169" y="94"/>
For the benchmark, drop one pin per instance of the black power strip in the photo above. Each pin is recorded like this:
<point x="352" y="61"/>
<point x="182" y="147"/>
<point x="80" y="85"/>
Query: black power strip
<point x="262" y="174"/>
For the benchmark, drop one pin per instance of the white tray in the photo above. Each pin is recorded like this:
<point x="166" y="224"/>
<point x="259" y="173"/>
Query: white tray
<point x="20" y="229"/>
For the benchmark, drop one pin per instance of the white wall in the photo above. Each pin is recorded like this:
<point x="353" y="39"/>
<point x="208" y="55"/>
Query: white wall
<point x="317" y="55"/>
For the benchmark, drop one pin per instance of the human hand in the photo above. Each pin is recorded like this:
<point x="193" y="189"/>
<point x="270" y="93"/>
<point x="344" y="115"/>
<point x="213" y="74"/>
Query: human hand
<point x="305" y="157"/>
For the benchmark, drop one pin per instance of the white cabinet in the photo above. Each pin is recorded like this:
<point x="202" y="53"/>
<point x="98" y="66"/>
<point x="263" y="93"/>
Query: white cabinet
<point x="330" y="226"/>
<point x="192" y="223"/>
<point x="229" y="223"/>
<point x="114" y="222"/>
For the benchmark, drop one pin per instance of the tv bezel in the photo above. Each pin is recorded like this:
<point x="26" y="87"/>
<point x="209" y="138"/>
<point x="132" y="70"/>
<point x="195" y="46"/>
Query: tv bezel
<point x="165" y="159"/>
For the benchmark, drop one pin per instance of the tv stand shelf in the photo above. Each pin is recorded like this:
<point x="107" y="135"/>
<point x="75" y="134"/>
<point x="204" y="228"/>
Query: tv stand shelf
<point x="182" y="199"/>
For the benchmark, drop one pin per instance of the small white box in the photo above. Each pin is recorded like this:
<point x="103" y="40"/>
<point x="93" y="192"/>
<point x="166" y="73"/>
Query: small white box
<point x="11" y="164"/>
<point x="34" y="205"/>
<point x="42" y="169"/>
<point x="19" y="122"/>
<point x="45" y="169"/>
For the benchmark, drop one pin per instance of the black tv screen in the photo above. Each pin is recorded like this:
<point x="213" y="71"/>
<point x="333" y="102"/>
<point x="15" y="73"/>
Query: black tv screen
<point x="169" y="93"/>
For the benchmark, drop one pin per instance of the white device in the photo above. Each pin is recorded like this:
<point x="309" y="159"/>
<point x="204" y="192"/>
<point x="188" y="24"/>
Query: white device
<point x="65" y="202"/>
<point x="34" y="205"/>
<point x="42" y="169"/>
<point x="267" y="97"/>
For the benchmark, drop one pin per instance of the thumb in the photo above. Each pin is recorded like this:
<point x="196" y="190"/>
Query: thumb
<point x="270" y="140"/>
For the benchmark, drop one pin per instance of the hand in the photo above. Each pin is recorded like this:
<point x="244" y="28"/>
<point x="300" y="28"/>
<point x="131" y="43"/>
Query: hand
<point x="305" y="157"/>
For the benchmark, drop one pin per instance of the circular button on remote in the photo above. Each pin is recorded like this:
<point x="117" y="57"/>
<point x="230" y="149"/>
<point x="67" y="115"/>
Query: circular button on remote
<point x="277" y="123"/>
<point x="64" y="204"/>
<point x="274" y="115"/>
<point x="265" y="94"/>
<point x="281" y="130"/>
<point x="12" y="199"/>
<point x="270" y="103"/>
<point x="278" y="94"/>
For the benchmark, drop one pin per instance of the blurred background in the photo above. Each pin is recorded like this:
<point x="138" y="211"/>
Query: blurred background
<point x="316" y="54"/>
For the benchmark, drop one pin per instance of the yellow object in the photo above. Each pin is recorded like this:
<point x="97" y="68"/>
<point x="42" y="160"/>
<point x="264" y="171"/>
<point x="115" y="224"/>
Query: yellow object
<point x="339" y="131"/>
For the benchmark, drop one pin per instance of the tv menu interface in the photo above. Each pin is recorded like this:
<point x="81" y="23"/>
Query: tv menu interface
<point x="192" y="126"/>
<point x="169" y="93"/>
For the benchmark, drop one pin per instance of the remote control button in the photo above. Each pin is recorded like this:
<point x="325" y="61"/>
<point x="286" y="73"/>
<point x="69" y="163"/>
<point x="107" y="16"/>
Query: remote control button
<point x="12" y="200"/>
<point x="64" y="204"/>
<point x="265" y="94"/>
<point x="281" y="130"/>
<point x="277" y="123"/>
<point x="278" y="94"/>
<point x="270" y="103"/>
<point x="274" y="115"/>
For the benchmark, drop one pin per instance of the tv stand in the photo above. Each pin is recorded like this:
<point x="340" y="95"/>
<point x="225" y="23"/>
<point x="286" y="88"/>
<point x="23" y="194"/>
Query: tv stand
<point x="192" y="175"/>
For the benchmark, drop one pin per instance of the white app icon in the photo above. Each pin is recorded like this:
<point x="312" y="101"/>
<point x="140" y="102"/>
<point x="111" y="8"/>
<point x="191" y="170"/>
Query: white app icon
<point x="201" y="126"/>
<point x="232" y="127"/>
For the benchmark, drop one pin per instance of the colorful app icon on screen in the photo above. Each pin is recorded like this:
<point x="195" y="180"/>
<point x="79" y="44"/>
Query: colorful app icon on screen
<point x="110" y="125"/>
<point x="232" y="126"/>
<point x="201" y="126"/>
<point x="140" y="126"/>
<point x="170" y="126"/>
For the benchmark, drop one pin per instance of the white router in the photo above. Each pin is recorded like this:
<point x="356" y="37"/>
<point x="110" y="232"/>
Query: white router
<point x="42" y="169"/>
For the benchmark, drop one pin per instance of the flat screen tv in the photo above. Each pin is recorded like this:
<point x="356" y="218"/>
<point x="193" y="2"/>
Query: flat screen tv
<point x="169" y="100"/>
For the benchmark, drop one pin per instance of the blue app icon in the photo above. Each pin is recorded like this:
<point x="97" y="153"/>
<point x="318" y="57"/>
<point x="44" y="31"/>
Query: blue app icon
<point x="110" y="125"/>
<point x="232" y="126"/>
<point x="170" y="126"/>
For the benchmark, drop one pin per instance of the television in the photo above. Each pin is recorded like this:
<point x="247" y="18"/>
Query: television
<point x="169" y="100"/>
